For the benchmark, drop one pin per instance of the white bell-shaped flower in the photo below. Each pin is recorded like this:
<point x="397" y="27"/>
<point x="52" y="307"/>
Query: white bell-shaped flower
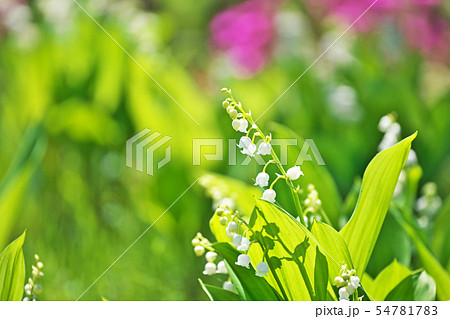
<point x="354" y="282"/>
<point x="221" y="268"/>
<point x="244" y="245"/>
<point x="384" y="123"/>
<point x="269" y="195"/>
<point x="349" y="288"/>
<point x="262" y="269"/>
<point x="339" y="282"/>
<point x="262" y="179"/>
<point x="244" y="142"/>
<point x="210" y="269"/>
<point x="243" y="124"/>
<point x="243" y="261"/>
<point x="236" y="124"/>
<point x="199" y="250"/>
<point x="249" y="150"/>
<point x="210" y="256"/>
<point x="343" y="294"/>
<point x="231" y="229"/>
<point x="237" y="239"/>
<point x="228" y="285"/>
<point x="294" y="173"/>
<point x="264" y="148"/>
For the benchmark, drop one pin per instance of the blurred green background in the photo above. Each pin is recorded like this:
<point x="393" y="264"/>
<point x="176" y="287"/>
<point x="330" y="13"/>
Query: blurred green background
<point x="70" y="98"/>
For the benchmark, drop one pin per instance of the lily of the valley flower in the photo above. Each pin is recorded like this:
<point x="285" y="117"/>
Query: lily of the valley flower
<point x="343" y="294"/>
<point x="210" y="269"/>
<point x="249" y="150"/>
<point x="262" y="179"/>
<point x="264" y="148"/>
<point x="241" y="243"/>
<point x="262" y="269"/>
<point x="269" y="195"/>
<point x="245" y="244"/>
<point x="294" y="173"/>
<point x="354" y="282"/>
<point x="231" y="229"/>
<point x="211" y="256"/>
<point x="228" y="285"/>
<point x="221" y="268"/>
<point x="243" y="261"/>
<point x="240" y="125"/>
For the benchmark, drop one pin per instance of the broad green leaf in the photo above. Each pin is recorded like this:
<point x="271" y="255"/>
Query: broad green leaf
<point x="415" y="287"/>
<point x="218" y="294"/>
<point x="332" y="242"/>
<point x="387" y="280"/>
<point x="379" y="181"/>
<point x="12" y="271"/>
<point x="291" y="252"/>
<point x="429" y="262"/>
<point x="248" y="285"/>
<point x="315" y="174"/>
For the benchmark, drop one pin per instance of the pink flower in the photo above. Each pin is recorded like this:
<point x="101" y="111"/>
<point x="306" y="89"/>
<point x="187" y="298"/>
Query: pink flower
<point x="244" y="32"/>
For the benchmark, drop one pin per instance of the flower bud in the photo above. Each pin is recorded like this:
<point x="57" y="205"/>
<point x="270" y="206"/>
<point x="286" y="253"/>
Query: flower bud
<point x="223" y="220"/>
<point x="40" y="265"/>
<point x="195" y="242"/>
<point x="211" y="256"/>
<point x="199" y="250"/>
<point x="210" y="269"/>
<point x="225" y="104"/>
<point x="233" y="113"/>
<point x="221" y="268"/>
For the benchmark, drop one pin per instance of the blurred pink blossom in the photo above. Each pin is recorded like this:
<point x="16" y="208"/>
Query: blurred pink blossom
<point x="244" y="32"/>
<point x="417" y="20"/>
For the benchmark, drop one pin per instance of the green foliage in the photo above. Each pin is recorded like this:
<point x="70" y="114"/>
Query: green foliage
<point x="379" y="181"/>
<point x="12" y="271"/>
<point x="218" y="294"/>
<point x="387" y="280"/>
<point x="249" y="286"/>
<point x="418" y="286"/>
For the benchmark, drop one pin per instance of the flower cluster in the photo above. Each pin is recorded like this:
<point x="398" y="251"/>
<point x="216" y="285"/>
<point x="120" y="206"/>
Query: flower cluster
<point x="313" y="206"/>
<point x="33" y="288"/>
<point x="241" y="121"/>
<point x="200" y="244"/>
<point x="347" y="283"/>
<point x="236" y="231"/>
<point x="428" y="204"/>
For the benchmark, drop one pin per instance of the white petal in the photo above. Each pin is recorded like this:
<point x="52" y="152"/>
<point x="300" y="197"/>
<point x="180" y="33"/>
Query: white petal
<point x="269" y="195"/>
<point x="294" y="173"/>
<point x="262" y="179"/>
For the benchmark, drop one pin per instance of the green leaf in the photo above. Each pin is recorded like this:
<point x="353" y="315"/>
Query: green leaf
<point x="392" y="243"/>
<point x="416" y="287"/>
<point x="429" y="262"/>
<point x="387" y="280"/>
<point x="379" y="181"/>
<point x="248" y="285"/>
<point x="290" y="252"/>
<point x="320" y="276"/>
<point x="12" y="271"/>
<point x="218" y="294"/>
<point x="332" y="242"/>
